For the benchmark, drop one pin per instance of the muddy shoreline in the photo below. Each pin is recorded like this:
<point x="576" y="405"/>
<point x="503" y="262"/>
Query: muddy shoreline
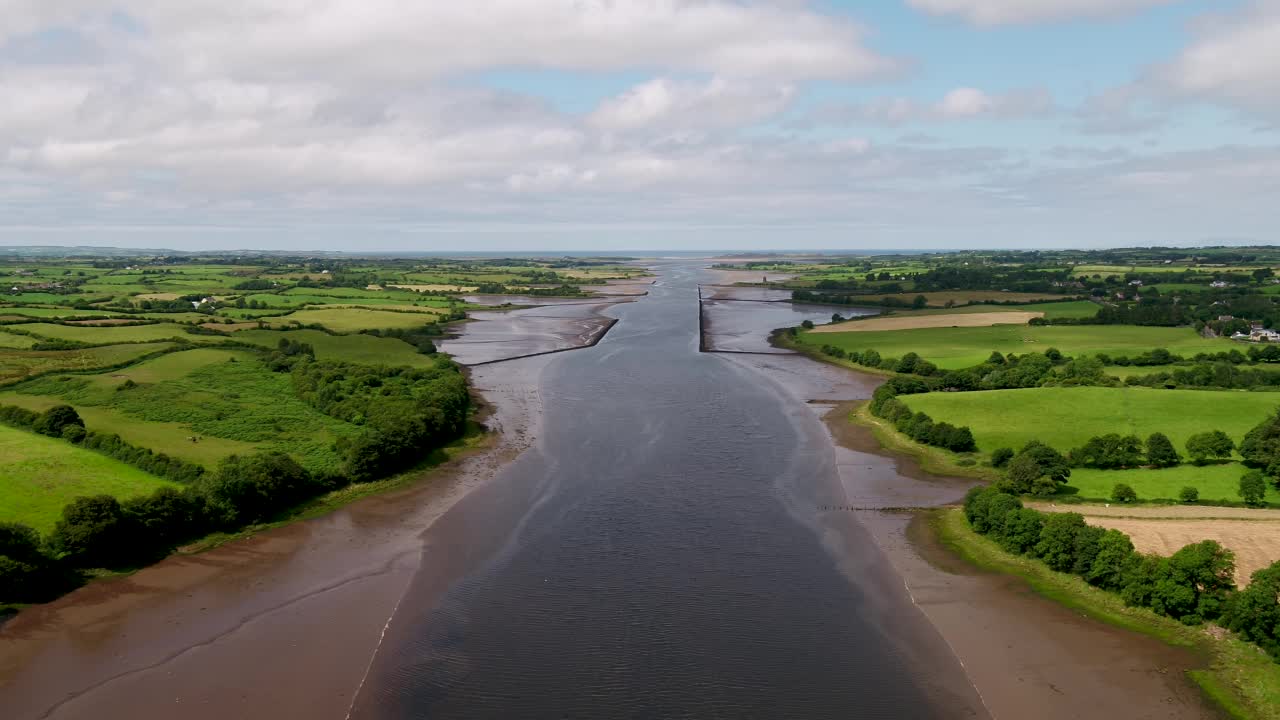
<point x="288" y="623"/>
<point x="280" y="624"/>
<point x="1026" y="655"/>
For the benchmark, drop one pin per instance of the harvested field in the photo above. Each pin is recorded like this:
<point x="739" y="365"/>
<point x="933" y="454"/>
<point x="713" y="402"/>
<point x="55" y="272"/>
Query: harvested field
<point x="436" y="288"/>
<point x="230" y="327"/>
<point x="167" y="296"/>
<point x="103" y="322"/>
<point x="1253" y="535"/>
<point x="894" y="322"/>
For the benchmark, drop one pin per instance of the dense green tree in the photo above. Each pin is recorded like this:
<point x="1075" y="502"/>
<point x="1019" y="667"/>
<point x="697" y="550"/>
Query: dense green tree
<point x="1209" y="445"/>
<point x="1160" y="451"/>
<point x="1111" y="451"/>
<point x="1123" y="493"/>
<point x="255" y="488"/>
<point x="1035" y="461"/>
<point x="55" y="419"/>
<point x="1088" y="544"/>
<point x="1254" y="612"/>
<point x="1000" y="457"/>
<point x="26" y="573"/>
<point x="907" y="364"/>
<point x="1057" y="542"/>
<point x="1191" y="586"/>
<point x="93" y="532"/>
<point x="1021" y="530"/>
<point x="165" y="518"/>
<point x="1188" y="494"/>
<point x="1253" y="487"/>
<point x="1261" y="446"/>
<point x="1115" y="553"/>
<point x="807" y="324"/>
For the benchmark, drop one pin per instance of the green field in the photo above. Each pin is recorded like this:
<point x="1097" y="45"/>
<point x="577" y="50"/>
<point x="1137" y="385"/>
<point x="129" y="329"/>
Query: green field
<point x="18" y="342"/>
<point x="354" y="319"/>
<point x="197" y="393"/>
<point x="18" y="365"/>
<point x="1066" y="417"/>
<point x="54" y="312"/>
<point x="954" y="348"/>
<point x="115" y="334"/>
<point x="42" y="474"/>
<point x="1216" y="483"/>
<point x="365" y="349"/>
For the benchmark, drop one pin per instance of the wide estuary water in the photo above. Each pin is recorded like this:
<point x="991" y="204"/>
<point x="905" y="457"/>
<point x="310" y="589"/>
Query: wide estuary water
<point x="669" y="561"/>
<point x="657" y="532"/>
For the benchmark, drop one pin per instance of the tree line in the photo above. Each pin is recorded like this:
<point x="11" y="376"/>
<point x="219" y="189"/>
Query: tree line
<point x="917" y="425"/>
<point x="404" y="414"/>
<point x="1193" y="586"/>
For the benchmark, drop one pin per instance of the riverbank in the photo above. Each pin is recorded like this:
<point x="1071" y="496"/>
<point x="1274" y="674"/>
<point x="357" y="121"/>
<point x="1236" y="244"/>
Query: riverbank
<point x="1238" y="676"/>
<point x="1026" y="655"/>
<point x="281" y="623"/>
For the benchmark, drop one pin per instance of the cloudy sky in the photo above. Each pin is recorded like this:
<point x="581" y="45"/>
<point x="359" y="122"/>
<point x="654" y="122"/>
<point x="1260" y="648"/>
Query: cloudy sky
<point x="639" y="124"/>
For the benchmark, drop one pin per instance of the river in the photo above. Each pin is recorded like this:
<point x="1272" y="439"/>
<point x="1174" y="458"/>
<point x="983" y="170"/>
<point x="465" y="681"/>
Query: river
<point x="666" y="533"/>
<point x="671" y="565"/>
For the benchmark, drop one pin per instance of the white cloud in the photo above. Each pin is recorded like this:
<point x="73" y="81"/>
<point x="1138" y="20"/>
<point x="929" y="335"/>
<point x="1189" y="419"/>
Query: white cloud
<point x="662" y="102"/>
<point x="1014" y="12"/>
<point x="1234" y="61"/>
<point x="964" y="103"/>
<point x="389" y="40"/>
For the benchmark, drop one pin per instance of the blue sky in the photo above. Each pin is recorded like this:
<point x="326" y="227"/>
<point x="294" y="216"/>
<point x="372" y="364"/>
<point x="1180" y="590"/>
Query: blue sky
<point x="639" y="124"/>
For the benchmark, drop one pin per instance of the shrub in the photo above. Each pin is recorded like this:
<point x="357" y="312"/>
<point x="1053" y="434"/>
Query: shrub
<point x="1160" y="451"/>
<point x="1261" y="446"/>
<point x="93" y="532"/>
<point x="1057" y="541"/>
<point x="1000" y="457"/>
<point x="1188" y="494"/>
<point x="55" y="419"/>
<point x="27" y="574"/>
<point x="1206" y="445"/>
<point x="1253" y="487"/>
<point x="1123" y="493"/>
<point x="1254" y="612"/>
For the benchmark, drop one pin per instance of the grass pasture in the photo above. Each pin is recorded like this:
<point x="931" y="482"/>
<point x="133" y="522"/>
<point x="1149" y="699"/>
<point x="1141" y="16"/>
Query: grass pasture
<point x="1066" y="417"/>
<point x="18" y="342"/>
<point x="1216" y="483"/>
<point x="954" y="348"/>
<point x="42" y="474"/>
<point x="57" y="312"/>
<point x="353" y="319"/>
<point x="17" y="365"/>
<point x="114" y="335"/>
<point x="199" y="392"/>
<point x="365" y="349"/>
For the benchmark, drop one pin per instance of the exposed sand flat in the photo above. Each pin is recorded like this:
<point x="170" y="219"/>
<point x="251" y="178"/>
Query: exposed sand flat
<point x="1253" y="535"/>
<point x="931" y="321"/>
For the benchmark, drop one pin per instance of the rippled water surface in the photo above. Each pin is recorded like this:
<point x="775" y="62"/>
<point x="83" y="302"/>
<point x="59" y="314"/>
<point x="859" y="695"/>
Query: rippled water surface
<point x="660" y="553"/>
